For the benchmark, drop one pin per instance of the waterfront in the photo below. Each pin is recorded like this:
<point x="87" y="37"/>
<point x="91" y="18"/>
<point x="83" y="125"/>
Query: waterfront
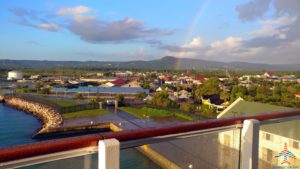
<point x="17" y="127"/>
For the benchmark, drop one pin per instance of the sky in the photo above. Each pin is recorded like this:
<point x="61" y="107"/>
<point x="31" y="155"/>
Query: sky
<point x="257" y="31"/>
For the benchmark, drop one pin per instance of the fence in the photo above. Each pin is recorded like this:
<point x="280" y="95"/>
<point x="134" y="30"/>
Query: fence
<point x="80" y="107"/>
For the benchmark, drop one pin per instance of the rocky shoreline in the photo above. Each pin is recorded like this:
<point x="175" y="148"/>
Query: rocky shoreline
<point x="49" y="117"/>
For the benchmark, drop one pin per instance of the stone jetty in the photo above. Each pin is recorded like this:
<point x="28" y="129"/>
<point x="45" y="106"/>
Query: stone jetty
<point x="50" y="117"/>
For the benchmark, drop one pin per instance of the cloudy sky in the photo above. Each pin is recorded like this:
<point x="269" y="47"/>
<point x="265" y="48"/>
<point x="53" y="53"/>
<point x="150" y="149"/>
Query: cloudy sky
<point x="260" y="31"/>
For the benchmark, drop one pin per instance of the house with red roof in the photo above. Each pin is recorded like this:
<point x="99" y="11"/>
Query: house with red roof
<point x="199" y="80"/>
<point x="269" y="74"/>
<point x="297" y="95"/>
<point x="115" y="83"/>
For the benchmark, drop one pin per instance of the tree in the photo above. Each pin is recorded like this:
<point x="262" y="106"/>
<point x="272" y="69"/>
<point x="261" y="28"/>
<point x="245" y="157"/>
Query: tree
<point x="38" y="86"/>
<point x="145" y="85"/>
<point x="198" y="94"/>
<point x="206" y="111"/>
<point x="211" y="87"/>
<point x="187" y="107"/>
<point x="45" y="90"/>
<point x="79" y="96"/>
<point x="141" y="95"/>
<point x="161" y="99"/>
<point x="120" y="99"/>
<point x="94" y="100"/>
<point x="262" y="92"/>
<point x="225" y="95"/>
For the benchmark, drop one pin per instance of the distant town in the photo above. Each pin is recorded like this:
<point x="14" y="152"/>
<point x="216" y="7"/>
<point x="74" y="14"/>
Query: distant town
<point x="204" y="94"/>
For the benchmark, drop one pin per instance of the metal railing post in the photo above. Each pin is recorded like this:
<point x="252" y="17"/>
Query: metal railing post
<point x="249" y="144"/>
<point x="109" y="154"/>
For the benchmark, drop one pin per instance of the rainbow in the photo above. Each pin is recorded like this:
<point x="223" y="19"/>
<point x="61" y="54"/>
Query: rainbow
<point x="191" y="29"/>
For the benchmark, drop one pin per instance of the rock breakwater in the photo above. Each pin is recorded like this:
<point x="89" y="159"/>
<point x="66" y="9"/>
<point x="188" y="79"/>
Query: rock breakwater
<point x="50" y="117"/>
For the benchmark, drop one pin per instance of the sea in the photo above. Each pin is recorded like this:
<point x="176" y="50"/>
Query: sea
<point x="17" y="127"/>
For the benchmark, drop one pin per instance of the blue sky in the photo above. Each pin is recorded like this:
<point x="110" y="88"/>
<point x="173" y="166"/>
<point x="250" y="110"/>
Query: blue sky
<point x="261" y="31"/>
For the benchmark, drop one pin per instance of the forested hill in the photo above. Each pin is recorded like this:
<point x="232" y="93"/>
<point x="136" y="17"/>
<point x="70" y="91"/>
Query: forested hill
<point x="165" y="63"/>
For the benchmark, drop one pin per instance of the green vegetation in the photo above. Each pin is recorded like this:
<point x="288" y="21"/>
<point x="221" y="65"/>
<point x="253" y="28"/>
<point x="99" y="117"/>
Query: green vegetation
<point x="161" y="99"/>
<point x="85" y="113"/>
<point x="79" y="96"/>
<point x="146" y="112"/>
<point x="94" y="100"/>
<point x="187" y="107"/>
<point x="141" y="95"/>
<point x="208" y="112"/>
<point x="277" y="93"/>
<point x="62" y="103"/>
<point x="186" y="117"/>
<point x="209" y="87"/>
<point x="120" y="98"/>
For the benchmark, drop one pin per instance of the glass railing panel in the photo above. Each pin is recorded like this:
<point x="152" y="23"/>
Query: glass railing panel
<point x="89" y="161"/>
<point x="132" y="158"/>
<point x="205" y="151"/>
<point x="279" y="145"/>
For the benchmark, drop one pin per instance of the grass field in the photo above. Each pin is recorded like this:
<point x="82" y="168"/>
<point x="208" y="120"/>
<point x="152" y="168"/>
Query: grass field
<point x="85" y="113"/>
<point x="62" y="103"/>
<point x="145" y="112"/>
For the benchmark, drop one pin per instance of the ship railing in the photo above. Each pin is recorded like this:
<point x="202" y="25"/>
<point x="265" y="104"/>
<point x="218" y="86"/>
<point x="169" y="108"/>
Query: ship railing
<point x="106" y="150"/>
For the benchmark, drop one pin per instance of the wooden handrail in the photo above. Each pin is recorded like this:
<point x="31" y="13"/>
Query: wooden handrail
<point x="60" y="145"/>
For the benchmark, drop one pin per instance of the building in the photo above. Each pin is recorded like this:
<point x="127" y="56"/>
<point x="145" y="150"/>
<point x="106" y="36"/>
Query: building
<point x="15" y="75"/>
<point x="270" y="75"/>
<point x="115" y="83"/>
<point x="133" y="83"/>
<point x="297" y="95"/>
<point x="199" y="80"/>
<point x="124" y="74"/>
<point x="272" y="138"/>
<point x="98" y="80"/>
<point x="35" y="77"/>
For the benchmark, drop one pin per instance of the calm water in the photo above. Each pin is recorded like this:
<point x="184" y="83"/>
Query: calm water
<point x="17" y="127"/>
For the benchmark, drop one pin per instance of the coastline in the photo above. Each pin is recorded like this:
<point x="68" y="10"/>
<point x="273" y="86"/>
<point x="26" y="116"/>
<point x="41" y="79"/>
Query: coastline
<point x="49" y="117"/>
<point x="52" y="126"/>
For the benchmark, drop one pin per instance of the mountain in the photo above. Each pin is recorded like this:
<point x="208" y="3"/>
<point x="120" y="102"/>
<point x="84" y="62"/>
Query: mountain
<point x="165" y="63"/>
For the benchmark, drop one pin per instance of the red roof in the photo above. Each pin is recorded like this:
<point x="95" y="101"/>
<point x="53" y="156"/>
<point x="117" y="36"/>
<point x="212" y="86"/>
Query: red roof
<point x="118" y="82"/>
<point x="297" y="94"/>
<point x="167" y="78"/>
<point x="200" y="78"/>
<point x="270" y="73"/>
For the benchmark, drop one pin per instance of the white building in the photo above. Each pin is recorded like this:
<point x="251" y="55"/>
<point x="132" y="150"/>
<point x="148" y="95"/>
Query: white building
<point x="15" y="75"/>
<point x="272" y="137"/>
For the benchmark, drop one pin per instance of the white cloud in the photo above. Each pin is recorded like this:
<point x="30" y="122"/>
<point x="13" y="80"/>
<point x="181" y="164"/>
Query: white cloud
<point x="274" y="27"/>
<point x="224" y="48"/>
<point x="197" y="48"/>
<point x="280" y="21"/>
<point x="49" y="26"/>
<point x="195" y="43"/>
<point x="73" y="11"/>
<point x="94" y="30"/>
<point x="226" y="44"/>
